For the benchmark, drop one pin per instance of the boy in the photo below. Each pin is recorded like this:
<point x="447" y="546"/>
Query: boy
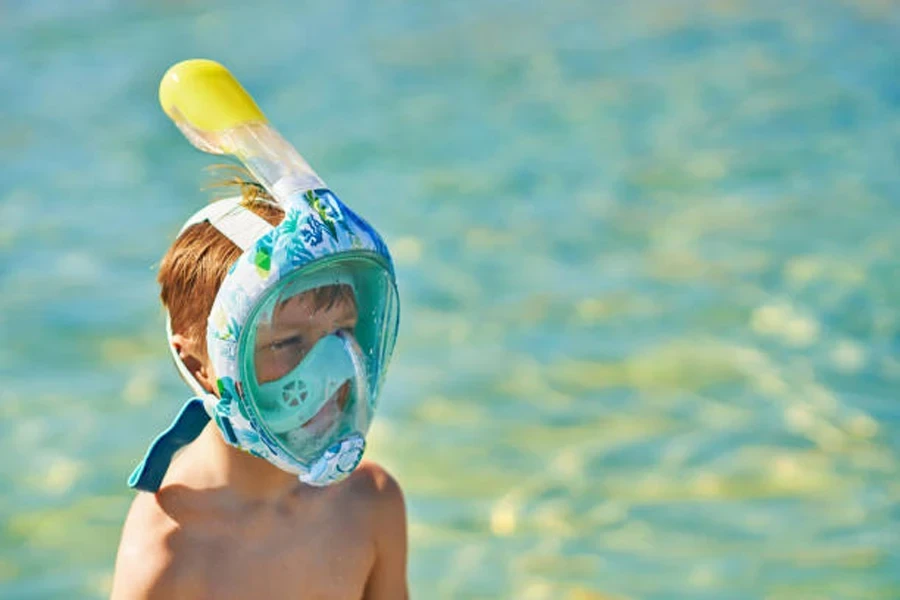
<point x="228" y="524"/>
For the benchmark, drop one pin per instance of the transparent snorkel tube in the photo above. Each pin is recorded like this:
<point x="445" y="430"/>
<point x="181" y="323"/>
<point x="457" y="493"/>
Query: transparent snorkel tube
<point x="218" y="116"/>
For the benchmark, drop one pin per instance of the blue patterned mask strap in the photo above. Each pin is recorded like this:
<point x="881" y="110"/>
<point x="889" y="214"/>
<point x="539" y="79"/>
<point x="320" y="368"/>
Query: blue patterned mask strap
<point x="184" y="429"/>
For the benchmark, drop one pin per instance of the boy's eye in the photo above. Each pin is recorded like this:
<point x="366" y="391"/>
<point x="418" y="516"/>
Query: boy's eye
<point x="292" y="342"/>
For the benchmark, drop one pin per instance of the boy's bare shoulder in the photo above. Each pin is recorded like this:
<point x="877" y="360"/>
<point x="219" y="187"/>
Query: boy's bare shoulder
<point x="384" y="505"/>
<point x="372" y="483"/>
<point x="145" y="565"/>
<point x="376" y="497"/>
<point x="387" y="517"/>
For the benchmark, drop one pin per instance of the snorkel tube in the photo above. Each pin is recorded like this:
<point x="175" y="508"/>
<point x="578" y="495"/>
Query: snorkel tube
<point x="218" y="116"/>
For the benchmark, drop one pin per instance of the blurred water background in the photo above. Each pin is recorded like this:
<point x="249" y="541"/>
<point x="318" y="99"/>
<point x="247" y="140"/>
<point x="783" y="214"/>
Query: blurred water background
<point x="647" y="253"/>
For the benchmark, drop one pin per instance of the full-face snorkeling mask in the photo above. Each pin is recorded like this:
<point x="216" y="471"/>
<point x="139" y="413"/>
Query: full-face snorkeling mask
<point x="303" y="326"/>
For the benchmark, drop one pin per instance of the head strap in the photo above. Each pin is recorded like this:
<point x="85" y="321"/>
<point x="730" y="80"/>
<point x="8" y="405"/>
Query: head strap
<point x="240" y="225"/>
<point x="233" y="220"/>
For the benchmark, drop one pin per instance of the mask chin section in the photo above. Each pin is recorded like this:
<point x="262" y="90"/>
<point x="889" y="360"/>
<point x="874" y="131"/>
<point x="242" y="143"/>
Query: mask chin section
<point x="336" y="463"/>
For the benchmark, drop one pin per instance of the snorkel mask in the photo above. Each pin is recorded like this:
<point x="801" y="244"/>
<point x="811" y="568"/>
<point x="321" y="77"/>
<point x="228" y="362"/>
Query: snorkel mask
<point x="290" y="391"/>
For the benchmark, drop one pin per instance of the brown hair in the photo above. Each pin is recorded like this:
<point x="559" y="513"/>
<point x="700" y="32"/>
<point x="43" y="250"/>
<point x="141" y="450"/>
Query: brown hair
<point x="194" y="267"/>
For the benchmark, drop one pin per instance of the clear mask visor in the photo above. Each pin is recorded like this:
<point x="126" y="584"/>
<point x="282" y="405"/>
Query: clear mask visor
<point x="315" y="352"/>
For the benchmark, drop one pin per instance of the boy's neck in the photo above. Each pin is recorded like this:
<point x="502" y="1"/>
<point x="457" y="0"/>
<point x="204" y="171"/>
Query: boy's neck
<point x="211" y="463"/>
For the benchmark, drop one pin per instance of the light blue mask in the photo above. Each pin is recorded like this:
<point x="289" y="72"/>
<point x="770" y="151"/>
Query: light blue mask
<point x="320" y="244"/>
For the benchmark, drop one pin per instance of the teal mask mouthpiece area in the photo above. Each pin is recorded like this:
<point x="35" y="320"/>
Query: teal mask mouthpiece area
<point x="291" y="401"/>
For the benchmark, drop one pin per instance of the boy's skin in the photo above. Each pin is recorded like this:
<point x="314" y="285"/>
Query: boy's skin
<point x="225" y="524"/>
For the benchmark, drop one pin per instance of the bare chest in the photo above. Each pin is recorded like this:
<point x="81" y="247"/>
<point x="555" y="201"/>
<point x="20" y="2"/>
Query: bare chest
<point x="305" y="561"/>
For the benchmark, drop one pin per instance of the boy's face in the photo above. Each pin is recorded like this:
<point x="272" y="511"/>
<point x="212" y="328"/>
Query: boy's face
<point x="296" y="325"/>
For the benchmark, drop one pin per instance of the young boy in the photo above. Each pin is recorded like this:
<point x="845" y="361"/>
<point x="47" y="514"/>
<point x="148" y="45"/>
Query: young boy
<point x="227" y="524"/>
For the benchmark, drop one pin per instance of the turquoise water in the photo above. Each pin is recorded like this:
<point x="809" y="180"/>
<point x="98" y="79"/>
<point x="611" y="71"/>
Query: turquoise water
<point x="647" y="253"/>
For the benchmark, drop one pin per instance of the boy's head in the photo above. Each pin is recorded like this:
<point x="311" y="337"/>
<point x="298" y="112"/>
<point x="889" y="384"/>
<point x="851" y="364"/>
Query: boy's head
<point x="191" y="273"/>
<point x="286" y="322"/>
<point x="263" y="298"/>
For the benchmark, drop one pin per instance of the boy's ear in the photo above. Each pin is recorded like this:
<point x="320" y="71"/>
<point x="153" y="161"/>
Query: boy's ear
<point x="186" y="350"/>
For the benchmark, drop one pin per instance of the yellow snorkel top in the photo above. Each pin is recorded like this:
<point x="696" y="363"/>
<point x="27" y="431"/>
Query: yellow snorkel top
<point x="217" y="115"/>
<point x="205" y="95"/>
